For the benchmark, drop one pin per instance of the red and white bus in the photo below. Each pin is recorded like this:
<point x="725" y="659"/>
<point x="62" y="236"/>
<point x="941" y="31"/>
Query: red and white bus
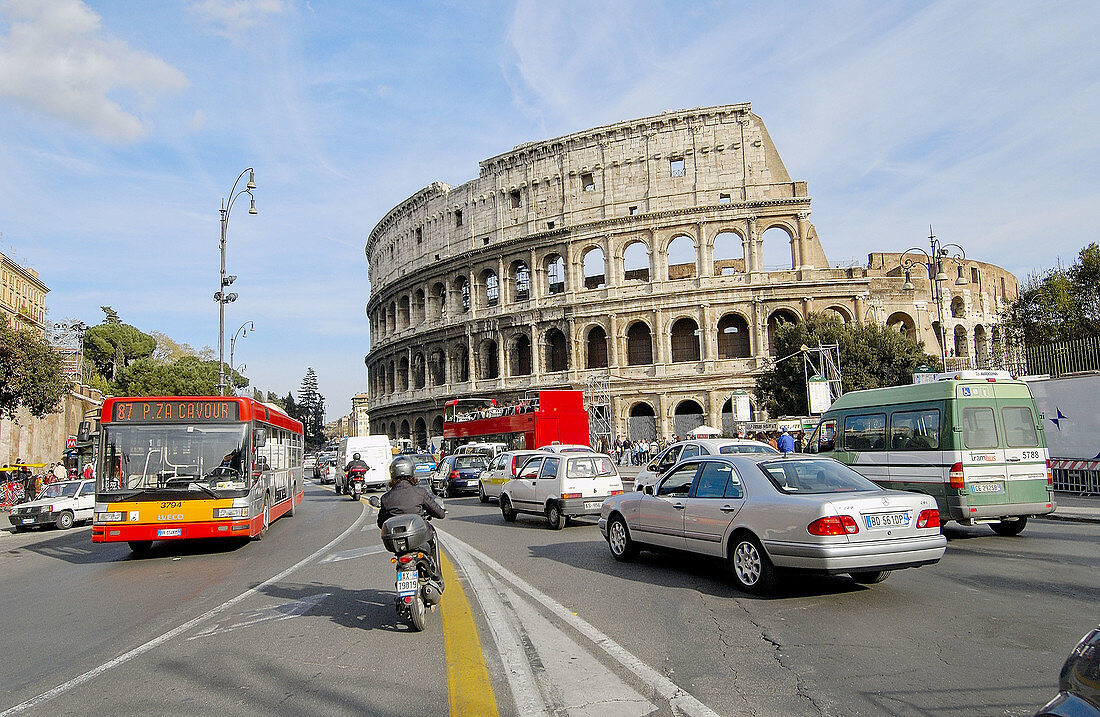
<point x="179" y="467"/>
<point x="540" y="419"/>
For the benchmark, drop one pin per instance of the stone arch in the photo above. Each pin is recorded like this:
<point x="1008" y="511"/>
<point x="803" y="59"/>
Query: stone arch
<point x="392" y="430"/>
<point x="439" y="300"/>
<point x="490" y="288"/>
<point x="594" y="268"/>
<point x="958" y="308"/>
<point x="840" y="312"/>
<point x="391" y="318"/>
<point x="636" y="262"/>
<point x="487" y="359"/>
<point x="681" y="254"/>
<point x="687" y="416"/>
<point x="403" y="374"/>
<point x="595" y="355"/>
<point x="778" y="317"/>
<point x="405" y="433"/>
<point x="776" y="253"/>
<point x="639" y="344"/>
<point x="521" y="280"/>
<point x="437" y="426"/>
<point x="997" y="350"/>
<point x="902" y="322"/>
<point x="419" y="370"/>
<point x="460" y="363"/>
<point x="962" y="343"/>
<point x="437" y="367"/>
<point x="404" y="319"/>
<point x="729" y="253"/>
<point x="519" y="356"/>
<point x="419" y="307"/>
<point x="557" y="351"/>
<point x="641" y="422"/>
<point x="684" y="336"/>
<point x="462" y="288"/>
<point x="420" y="433"/>
<point x="981" y="347"/>
<point x="555" y="274"/>
<point x="734" y="340"/>
<point x="390" y="378"/>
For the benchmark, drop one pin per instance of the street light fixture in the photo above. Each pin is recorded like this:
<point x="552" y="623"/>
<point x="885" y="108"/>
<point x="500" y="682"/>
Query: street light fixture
<point x="226" y="279"/>
<point x="241" y="331"/>
<point x="935" y="261"/>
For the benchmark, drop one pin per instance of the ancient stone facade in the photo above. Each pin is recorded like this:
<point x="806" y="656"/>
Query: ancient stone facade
<point x="663" y="251"/>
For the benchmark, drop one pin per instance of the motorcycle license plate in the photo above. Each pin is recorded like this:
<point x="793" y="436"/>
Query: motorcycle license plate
<point x="408" y="582"/>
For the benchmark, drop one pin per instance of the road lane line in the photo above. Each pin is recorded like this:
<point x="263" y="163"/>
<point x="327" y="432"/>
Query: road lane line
<point x="680" y="700"/>
<point x="469" y="690"/>
<point x="143" y="648"/>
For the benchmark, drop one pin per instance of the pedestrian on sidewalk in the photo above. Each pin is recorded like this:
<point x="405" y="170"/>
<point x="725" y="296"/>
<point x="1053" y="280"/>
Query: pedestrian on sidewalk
<point x="785" y="442"/>
<point x="59" y="472"/>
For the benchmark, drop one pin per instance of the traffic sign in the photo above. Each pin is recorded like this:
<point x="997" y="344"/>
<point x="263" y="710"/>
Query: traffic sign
<point x="70" y="442"/>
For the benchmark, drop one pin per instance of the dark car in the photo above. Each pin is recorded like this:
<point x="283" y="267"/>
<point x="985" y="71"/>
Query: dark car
<point x="1079" y="683"/>
<point x="459" y="474"/>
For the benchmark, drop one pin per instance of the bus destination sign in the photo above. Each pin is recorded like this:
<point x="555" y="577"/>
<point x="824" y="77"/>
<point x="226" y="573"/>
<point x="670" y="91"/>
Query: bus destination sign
<point x="170" y="411"/>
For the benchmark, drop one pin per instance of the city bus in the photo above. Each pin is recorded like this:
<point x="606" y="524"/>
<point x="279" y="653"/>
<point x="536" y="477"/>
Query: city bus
<point x="540" y="419"/>
<point x="972" y="440"/>
<point x="180" y="467"/>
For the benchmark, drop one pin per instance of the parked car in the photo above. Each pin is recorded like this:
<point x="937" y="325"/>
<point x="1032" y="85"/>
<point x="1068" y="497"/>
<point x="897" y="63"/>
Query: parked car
<point x="62" y="504"/>
<point x="566" y="448"/>
<point x="459" y="474"/>
<point x="560" y="486"/>
<point x="309" y="462"/>
<point x="766" y="514"/>
<point x="1079" y="682"/>
<point x="682" y="450"/>
<point x="500" y="470"/>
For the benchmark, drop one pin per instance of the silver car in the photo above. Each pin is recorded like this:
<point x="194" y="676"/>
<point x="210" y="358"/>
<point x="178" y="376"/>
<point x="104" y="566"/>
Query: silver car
<point x="682" y="450"/>
<point x="766" y="514"/>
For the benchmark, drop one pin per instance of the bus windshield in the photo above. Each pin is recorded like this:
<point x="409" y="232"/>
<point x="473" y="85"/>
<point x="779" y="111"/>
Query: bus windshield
<point x="180" y="457"/>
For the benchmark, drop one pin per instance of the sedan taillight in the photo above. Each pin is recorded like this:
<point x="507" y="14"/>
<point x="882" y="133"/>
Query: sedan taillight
<point x="454" y="475"/>
<point x="929" y="518"/>
<point x="833" y="525"/>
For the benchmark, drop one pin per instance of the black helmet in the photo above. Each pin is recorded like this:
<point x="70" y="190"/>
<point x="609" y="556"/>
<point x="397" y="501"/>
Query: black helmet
<point x="401" y="467"/>
<point x="355" y="456"/>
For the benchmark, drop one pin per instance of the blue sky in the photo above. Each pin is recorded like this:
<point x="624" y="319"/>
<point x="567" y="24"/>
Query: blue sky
<point x="123" y="123"/>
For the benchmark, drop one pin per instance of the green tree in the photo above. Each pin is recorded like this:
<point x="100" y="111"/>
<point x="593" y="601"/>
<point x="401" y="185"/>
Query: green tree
<point x="113" y="345"/>
<point x="1059" y="304"/>
<point x="871" y="356"/>
<point x="311" y="409"/>
<point x="30" y="373"/>
<point x="187" y="376"/>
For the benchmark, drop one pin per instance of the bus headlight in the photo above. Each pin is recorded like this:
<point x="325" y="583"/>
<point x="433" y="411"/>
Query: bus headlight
<point x="231" y="512"/>
<point x="114" y="517"/>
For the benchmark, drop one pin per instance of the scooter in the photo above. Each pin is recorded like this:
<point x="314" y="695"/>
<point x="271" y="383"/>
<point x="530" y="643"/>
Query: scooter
<point x="354" y="481"/>
<point x="406" y="536"/>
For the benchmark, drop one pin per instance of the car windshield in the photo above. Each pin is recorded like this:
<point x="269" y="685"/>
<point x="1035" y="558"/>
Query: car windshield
<point x="175" y="457"/>
<point x="747" y="448"/>
<point x="814" y="476"/>
<point x="470" y="461"/>
<point x="590" y="467"/>
<point x="60" y="490"/>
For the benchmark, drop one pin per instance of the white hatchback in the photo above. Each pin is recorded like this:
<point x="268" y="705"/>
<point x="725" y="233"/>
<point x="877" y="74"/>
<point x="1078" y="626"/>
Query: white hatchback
<point x="560" y="486"/>
<point x="501" y="469"/>
<point x="62" y="504"/>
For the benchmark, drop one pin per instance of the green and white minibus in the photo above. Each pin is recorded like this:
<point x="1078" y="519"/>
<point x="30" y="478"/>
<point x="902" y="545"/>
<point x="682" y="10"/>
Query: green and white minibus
<point x="971" y="440"/>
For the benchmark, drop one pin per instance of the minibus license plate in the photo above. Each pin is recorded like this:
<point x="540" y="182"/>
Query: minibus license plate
<point x="986" y="487"/>
<point x="887" y="520"/>
<point x="408" y="582"/>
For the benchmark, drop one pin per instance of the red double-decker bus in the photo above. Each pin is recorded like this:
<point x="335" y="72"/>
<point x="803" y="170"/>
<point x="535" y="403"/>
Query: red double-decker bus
<point x="540" y="419"/>
<point x="180" y="467"/>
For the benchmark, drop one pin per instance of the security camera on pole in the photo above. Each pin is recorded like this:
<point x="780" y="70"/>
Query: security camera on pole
<point x="220" y="296"/>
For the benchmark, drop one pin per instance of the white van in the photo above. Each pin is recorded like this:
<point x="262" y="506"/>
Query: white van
<point x="374" y="451"/>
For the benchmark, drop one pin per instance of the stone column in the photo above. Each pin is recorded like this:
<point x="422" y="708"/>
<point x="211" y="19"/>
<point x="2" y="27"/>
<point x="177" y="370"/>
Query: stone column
<point x="709" y="328"/>
<point x="500" y="281"/>
<point x="663" y="428"/>
<point x="471" y="367"/>
<point x="576" y="357"/>
<point x="752" y="253"/>
<point x="660" y="340"/>
<point x="807" y="307"/>
<point x="535" y="289"/>
<point x="613" y="342"/>
<point x="536" y="353"/>
<point x="759" y="347"/>
<point x="714" y="409"/>
<point x="860" y="308"/>
<point x="803" y="234"/>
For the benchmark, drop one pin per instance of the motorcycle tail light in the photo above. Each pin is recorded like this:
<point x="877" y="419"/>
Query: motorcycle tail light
<point x="405" y="559"/>
<point x="408" y="599"/>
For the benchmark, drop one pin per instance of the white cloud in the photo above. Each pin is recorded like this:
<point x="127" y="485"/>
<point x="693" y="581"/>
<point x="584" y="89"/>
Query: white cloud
<point x="56" y="60"/>
<point x="198" y="120"/>
<point x="232" y="17"/>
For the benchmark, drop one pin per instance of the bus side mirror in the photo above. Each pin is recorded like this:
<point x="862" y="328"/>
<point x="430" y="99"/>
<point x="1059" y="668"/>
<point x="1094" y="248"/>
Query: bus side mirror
<point x="260" y="436"/>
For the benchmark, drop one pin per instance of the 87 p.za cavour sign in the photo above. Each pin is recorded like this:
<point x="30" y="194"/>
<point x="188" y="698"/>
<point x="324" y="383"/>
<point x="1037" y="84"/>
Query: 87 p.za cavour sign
<point x="171" y="411"/>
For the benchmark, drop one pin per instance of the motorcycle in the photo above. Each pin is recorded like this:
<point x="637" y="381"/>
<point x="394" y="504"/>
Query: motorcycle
<point x="406" y="536"/>
<point x="353" y="480"/>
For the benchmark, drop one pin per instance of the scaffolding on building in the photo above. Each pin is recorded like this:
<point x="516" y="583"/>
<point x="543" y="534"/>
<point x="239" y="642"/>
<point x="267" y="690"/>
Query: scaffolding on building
<point x="597" y="398"/>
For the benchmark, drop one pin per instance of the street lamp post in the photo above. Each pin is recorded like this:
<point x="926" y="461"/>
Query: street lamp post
<point x="225" y="280"/>
<point x="242" y="331"/>
<point x="935" y="261"/>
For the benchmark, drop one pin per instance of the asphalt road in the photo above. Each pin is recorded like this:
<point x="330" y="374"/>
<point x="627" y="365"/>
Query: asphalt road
<point x="557" y="625"/>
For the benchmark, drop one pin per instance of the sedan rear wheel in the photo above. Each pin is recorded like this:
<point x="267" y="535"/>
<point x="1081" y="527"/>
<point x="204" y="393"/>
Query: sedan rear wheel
<point x="618" y="540"/>
<point x="872" y="577"/>
<point x="506" y="510"/>
<point x="750" y="566"/>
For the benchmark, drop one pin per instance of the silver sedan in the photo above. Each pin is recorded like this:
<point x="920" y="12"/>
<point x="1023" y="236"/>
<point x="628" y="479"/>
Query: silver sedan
<point x="765" y="514"/>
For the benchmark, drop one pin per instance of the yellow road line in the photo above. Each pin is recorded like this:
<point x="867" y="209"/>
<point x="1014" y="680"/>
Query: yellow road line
<point x="468" y="687"/>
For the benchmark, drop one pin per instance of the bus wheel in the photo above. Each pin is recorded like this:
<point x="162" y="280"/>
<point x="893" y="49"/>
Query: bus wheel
<point x="293" y="500"/>
<point x="140" y="547"/>
<point x="1010" y="526"/>
<point x="267" y="519"/>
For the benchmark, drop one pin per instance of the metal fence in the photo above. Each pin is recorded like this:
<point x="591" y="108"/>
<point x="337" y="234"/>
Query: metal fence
<point x="1082" y="482"/>
<point x="1060" y="358"/>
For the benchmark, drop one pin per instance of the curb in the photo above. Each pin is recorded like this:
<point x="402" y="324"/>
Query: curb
<point x="1070" y="518"/>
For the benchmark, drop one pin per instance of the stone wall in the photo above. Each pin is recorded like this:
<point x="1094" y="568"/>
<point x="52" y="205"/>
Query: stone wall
<point x="42" y="440"/>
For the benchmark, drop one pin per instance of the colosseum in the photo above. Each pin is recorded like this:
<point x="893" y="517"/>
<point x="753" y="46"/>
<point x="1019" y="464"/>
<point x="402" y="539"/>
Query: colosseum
<point x="657" y="255"/>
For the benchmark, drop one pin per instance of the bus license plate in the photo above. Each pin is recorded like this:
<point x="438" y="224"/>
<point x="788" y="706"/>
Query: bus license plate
<point x="592" y="504"/>
<point x="408" y="582"/>
<point x="887" y="520"/>
<point x="169" y="532"/>
<point x="986" y="487"/>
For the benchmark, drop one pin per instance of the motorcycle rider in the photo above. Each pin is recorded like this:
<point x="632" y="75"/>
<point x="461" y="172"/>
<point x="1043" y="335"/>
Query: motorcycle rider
<point x="355" y="462"/>
<point x="406" y="497"/>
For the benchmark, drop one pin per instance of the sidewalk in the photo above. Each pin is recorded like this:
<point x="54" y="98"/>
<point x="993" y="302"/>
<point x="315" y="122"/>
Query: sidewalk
<point x="1070" y="506"/>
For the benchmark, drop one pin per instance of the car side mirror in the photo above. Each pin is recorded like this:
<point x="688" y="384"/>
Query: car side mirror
<point x="648" y="489"/>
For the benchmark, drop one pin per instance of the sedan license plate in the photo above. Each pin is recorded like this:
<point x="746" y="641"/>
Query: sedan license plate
<point x="408" y="582"/>
<point x="592" y="504"/>
<point x="169" y="532"/>
<point x="27" y="520"/>
<point x="887" y="520"/>
<point x="987" y="487"/>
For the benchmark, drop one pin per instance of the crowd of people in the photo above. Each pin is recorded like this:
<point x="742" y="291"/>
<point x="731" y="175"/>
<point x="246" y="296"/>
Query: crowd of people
<point x="21" y="475"/>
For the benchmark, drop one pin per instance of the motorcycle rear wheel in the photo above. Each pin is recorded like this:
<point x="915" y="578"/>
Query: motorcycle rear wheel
<point x="418" y="616"/>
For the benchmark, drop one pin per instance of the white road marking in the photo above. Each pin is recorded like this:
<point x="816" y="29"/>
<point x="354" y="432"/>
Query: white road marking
<point x="680" y="701"/>
<point x="143" y="648"/>
<point x="353" y="553"/>
<point x="271" y="613"/>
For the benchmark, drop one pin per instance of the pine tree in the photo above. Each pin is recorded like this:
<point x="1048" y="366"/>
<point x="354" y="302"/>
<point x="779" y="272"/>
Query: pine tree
<point x="311" y="408"/>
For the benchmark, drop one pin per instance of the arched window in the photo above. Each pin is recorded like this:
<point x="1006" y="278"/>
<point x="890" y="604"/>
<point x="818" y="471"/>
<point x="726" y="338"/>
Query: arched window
<point x="981" y="347"/>
<point x="460" y="365"/>
<point x="521" y="356"/>
<point x="403" y="374"/>
<point x="487" y="360"/>
<point x="418" y="315"/>
<point x="392" y="430"/>
<point x="404" y="429"/>
<point x="636" y="262"/>
<point x="391" y="316"/>
<point x="777" y="254"/>
<point x="439" y="295"/>
<point x="555" y="274"/>
<point x="733" y="337"/>
<point x="962" y="345"/>
<point x="840" y="312"/>
<point x="557" y="351"/>
<point x="418" y="370"/>
<point x="903" y="323"/>
<point x="642" y="423"/>
<point x="437" y="365"/>
<point x="437" y="426"/>
<point x="390" y="378"/>
<point x="777" y="319"/>
<point x="958" y="308"/>
<point x="729" y="254"/>
<point x="596" y="353"/>
<point x="687" y="417"/>
<point x="639" y="345"/>
<point x="681" y="258"/>
<point x="492" y="287"/>
<point x="420" y="436"/>
<point x="403" y="312"/>
<point x="521" y="275"/>
<point x="595" y="269"/>
<point x="685" y="340"/>
<point x="463" y="288"/>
